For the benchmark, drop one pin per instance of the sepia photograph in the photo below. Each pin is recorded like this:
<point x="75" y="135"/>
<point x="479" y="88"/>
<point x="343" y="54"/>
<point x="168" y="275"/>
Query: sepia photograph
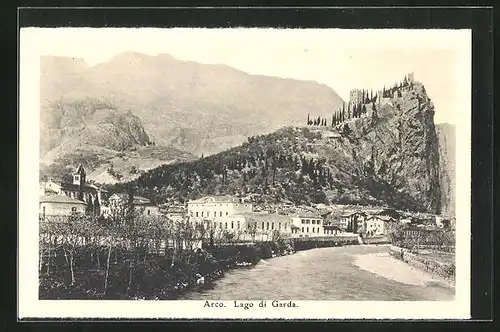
<point x="244" y="173"/>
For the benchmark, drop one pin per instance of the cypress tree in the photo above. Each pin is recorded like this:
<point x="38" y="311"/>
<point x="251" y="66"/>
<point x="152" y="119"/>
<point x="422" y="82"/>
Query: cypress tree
<point x="374" y="113"/>
<point x="97" y="206"/>
<point x="90" y="207"/>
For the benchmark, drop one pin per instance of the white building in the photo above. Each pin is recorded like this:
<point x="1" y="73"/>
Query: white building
<point x="118" y="201"/>
<point x="308" y="224"/>
<point x="353" y="222"/>
<point x="60" y="205"/>
<point x="378" y="225"/>
<point x="236" y="216"/>
<point x="217" y="208"/>
<point x="266" y="223"/>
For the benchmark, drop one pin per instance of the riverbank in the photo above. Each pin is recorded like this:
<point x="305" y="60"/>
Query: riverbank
<point x="163" y="276"/>
<point x="439" y="265"/>
<point x="323" y="274"/>
<point x="386" y="266"/>
<point x="160" y="276"/>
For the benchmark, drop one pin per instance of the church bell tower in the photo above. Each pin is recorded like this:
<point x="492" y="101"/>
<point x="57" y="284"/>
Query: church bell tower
<point x="79" y="176"/>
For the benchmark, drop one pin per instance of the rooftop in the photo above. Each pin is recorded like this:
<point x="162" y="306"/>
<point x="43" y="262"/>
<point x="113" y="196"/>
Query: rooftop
<point x="381" y="217"/>
<point x="354" y="213"/>
<point x="138" y="200"/>
<point x="71" y="186"/>
<point x="216" y="199"/>
<point x="306" y="214"/>
<point x="60" y="199"/>
<point x="263" y="216"/>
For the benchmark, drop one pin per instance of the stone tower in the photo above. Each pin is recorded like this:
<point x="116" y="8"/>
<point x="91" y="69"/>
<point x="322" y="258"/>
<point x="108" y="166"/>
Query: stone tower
<point x="79" y="176"/>
<point x="410" y="78"/>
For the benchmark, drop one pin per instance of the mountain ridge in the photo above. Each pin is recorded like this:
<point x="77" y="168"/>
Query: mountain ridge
<point x="207" y="102"/>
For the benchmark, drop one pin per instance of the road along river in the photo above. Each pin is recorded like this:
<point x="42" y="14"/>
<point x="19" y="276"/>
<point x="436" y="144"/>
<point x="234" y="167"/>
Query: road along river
<point x="353" y="273"/>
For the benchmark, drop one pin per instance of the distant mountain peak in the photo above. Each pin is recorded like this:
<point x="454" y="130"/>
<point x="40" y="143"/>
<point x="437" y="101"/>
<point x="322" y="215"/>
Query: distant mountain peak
<point x="217" y="105"/>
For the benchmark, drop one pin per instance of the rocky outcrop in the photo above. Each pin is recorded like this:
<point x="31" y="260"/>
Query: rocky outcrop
<point x="91" y="122"/>
<point x="393" y="155"/>
<point x="100" y="136"/>
<point x="446" y="136"/>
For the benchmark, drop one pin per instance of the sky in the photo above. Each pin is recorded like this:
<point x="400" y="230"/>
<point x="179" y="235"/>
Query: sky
<point x="341" y="59"/>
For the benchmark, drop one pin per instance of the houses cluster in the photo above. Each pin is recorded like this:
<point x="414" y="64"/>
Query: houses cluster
<point x="80" y="197"/>
<point x="238" y="216"/>
<point x="228" y="214"/>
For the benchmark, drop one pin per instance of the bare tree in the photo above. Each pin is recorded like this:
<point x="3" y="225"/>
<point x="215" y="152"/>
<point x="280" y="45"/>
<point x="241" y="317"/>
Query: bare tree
<point x="251" y="229"/>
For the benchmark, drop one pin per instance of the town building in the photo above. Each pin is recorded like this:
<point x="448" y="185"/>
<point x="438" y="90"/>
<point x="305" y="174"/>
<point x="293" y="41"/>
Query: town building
<point x="60" y="205"/>
<point x="390" y="213"/>
<point x="268" y="222"/>
<point x="353" y="222"/>
<point x="217" y="208"/>
<point x="141" y="204"/>
<point x="378" y="225"/>
<point x="308" y="224"/>
<point x="236" y="216"/>
<point x="448" y="223"/>
<point x="88" y="191"/>
<point x="331" y="229"/>
<point x="174" y="212"/>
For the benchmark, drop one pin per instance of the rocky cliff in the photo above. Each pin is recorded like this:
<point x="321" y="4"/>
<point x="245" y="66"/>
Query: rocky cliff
<point x="399" y="150"/>
<point x="92" y="122"/>
<point x="99" y="135"/>
<point x="446" y="135"/>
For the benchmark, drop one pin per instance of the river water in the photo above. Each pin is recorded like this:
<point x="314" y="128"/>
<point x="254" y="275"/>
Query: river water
<point x="326" y="274"/>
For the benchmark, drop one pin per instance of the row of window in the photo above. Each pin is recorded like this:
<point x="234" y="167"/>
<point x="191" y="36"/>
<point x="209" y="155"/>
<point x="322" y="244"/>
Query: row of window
<point x="207" y="214"/>
<point x="220" y="224"/>
<point x="311" y="221"/>
<point x="264" y="225"/>
<point x="270" y="225"/>
<point x="313" y="229"/>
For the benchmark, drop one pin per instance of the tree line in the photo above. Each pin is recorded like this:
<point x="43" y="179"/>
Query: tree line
<point x="126" y="249"/>
<point x="352" y="111"/>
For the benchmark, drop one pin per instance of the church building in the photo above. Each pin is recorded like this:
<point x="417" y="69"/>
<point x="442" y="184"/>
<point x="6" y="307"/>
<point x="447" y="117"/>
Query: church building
<point x="79" y="189"/>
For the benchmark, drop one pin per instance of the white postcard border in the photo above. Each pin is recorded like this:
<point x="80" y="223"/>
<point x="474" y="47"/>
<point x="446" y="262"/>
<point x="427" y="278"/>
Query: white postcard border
<point x="29" y="306"/>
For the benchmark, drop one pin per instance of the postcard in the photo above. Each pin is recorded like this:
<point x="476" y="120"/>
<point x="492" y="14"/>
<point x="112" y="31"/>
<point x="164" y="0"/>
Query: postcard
<point x="244" y="173"/>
